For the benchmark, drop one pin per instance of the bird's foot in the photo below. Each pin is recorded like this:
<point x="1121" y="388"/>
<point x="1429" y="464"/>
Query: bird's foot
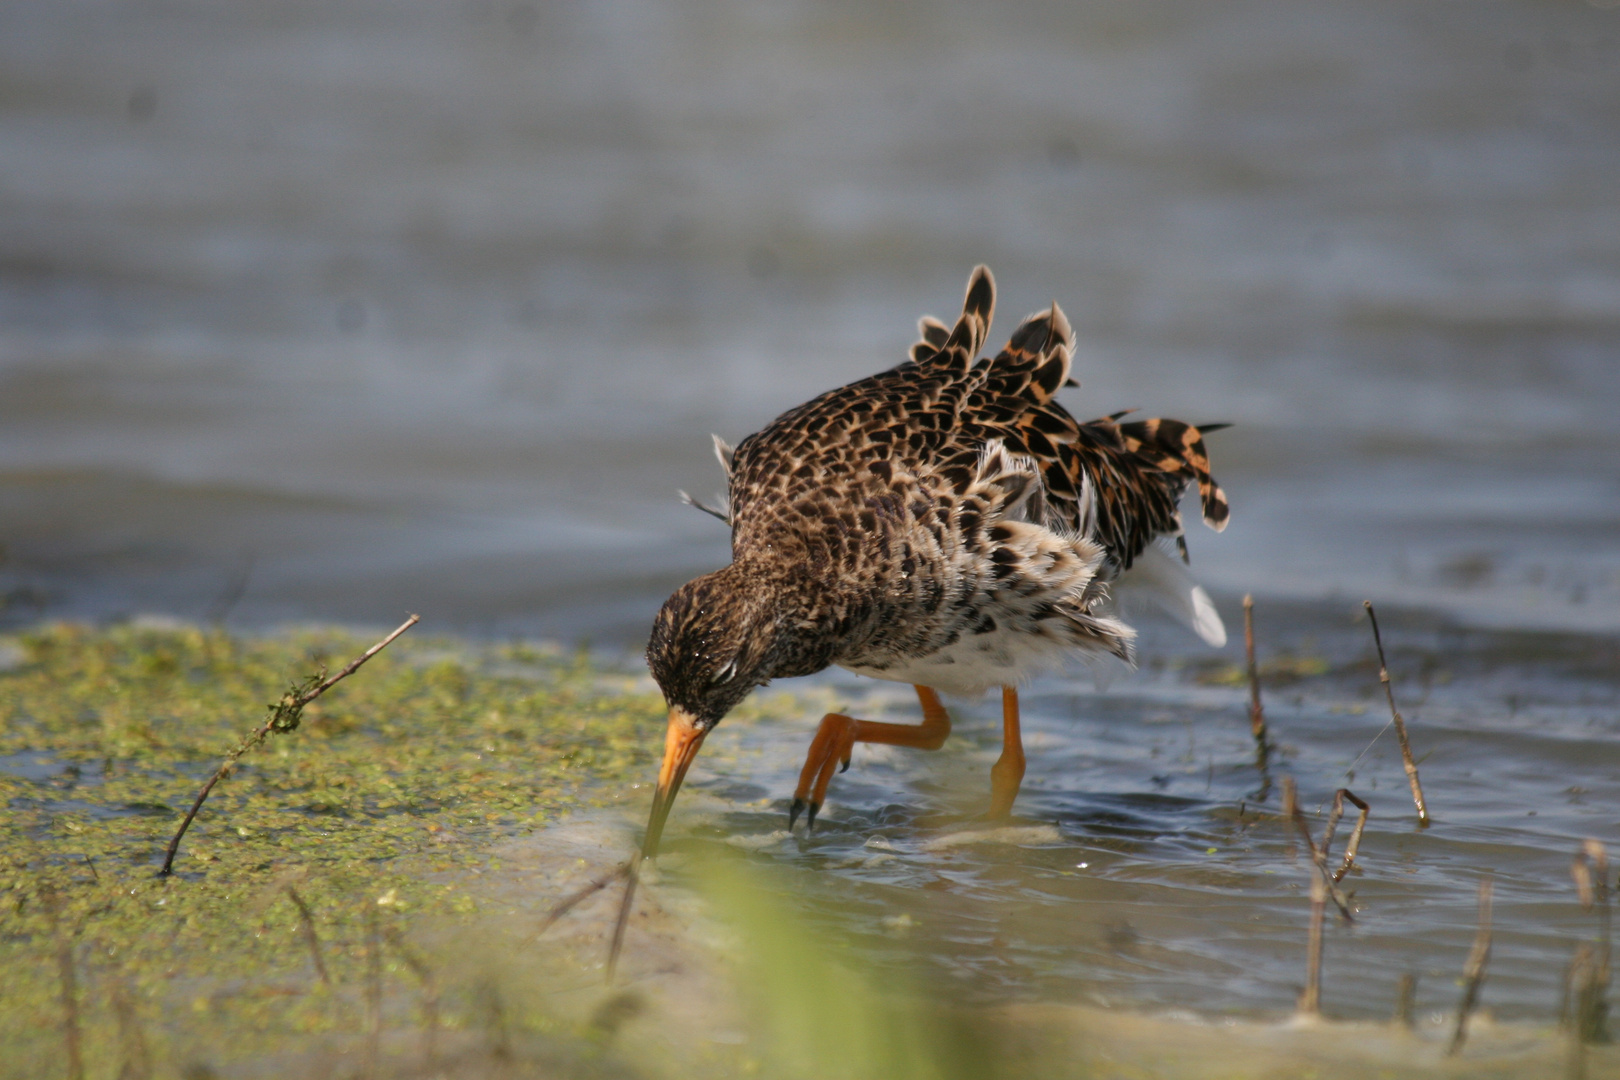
<point x="829" y="753"/>
<point x="798" y="807"/>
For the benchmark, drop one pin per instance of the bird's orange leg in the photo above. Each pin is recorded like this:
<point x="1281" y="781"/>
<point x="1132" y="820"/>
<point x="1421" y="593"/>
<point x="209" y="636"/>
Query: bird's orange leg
<point x="837" y="736"/>
<point x="1008" y="771"/>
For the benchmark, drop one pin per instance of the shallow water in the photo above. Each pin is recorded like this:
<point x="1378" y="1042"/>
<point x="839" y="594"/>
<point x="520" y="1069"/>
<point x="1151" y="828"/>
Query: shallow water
<point x="1145" y="866"/>
<point x="343" y="311"/>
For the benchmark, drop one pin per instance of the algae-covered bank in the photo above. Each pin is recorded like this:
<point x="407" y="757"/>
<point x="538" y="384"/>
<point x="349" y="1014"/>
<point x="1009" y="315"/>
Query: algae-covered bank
<point x="371" y="822"/>
<point x="363" y="895"/>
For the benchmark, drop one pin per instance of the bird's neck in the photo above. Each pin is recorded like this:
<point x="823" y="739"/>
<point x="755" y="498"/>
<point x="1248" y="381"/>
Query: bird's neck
<point x="797" y="607"/>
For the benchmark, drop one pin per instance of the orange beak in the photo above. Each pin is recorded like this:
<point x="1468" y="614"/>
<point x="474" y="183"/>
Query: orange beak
<point x="681" y="743"/>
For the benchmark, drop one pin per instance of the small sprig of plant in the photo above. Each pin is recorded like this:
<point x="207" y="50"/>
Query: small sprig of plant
<point x="284" y="717"/>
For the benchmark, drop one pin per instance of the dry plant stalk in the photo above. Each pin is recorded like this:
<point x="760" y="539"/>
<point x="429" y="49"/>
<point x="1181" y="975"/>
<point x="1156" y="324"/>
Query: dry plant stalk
<point x="1582" y="976"/>
<point x="1406" y="1001"/>
<point x="72" y="1042"/>
<point x="1400" y="724"/>
<point x="632" y="877"/>
<point x="430" y="995"/>
<point x="1324" y="882"/>
<point x="284" y="716"/>
<point x="1474" y="974"/>
<point x="1310" y="1000"/>
<point x="1320" y="853"/>
<point x="1290" y="804"/>
<point x="1354" y="845"/>
<point x="572" y="900"/>
<point x="306" y="923"/>
<point x="1257" y="713"/>
<point x="1586" y="996"/>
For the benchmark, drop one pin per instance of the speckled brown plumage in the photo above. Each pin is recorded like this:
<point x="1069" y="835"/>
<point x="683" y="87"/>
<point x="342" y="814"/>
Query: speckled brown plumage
<point x="945" y="522"/>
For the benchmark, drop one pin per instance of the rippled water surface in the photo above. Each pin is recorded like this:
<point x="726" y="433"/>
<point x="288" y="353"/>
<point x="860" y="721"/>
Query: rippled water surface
<point x="1149" y="865"/>
<point x="346" y="310"/>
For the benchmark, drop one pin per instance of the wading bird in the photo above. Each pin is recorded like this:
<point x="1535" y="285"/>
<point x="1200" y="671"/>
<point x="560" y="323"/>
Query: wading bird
<point x="944" y="523"/>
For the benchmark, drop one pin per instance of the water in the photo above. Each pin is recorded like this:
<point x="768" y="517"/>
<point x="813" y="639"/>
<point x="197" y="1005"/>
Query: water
<point x="343" y="311"/>
<point x="1146" y="864"/>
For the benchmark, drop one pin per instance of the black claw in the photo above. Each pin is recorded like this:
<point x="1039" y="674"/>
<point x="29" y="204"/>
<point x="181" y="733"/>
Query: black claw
<point x="795" y="810"/>
<point x="845" y="768"/>
<point x="810" y="822"/>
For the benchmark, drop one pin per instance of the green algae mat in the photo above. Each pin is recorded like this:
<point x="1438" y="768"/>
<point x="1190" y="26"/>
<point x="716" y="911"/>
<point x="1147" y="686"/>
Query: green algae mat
<point x="294" y="886"/>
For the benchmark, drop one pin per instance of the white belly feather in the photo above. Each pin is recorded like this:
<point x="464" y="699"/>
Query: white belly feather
<point x="977" y="662"/>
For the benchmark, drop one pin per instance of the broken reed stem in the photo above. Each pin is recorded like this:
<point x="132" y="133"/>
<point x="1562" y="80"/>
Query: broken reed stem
<point x="1324" y="883"/>
<point x="1354" y="845"/>
<point x="569" y="902"/>
<point x="1319" y="854"/>
<point x="284" y="716"/>
<point x="1310" y="1000"/>
<point x="1577" y="990"/>
<point x="430" y="994"/>
<point x="1474" y="974"/>
<point x="1257" y="713"/>
<point x="632" y="876"/>
<point x="70" y="984"/>
<point x="1406" y="1001"/>
<point x="373" y="993"/>
<point x="307" y="922"/>
<point x="1586" y="996"/>
<point x="1290" y="806"/>
<point x="1400" y="724"/>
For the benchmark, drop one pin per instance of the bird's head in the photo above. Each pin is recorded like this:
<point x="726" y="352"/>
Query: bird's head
<point x="713" y="642"/>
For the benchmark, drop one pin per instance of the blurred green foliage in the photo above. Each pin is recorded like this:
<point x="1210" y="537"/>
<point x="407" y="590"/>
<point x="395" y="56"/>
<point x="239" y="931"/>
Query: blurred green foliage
<point x="814" y="1017"/>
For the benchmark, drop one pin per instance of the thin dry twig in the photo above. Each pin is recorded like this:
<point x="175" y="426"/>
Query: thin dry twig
<point x="572" y="900"/>
<point x="1310" y="1001"/>
<point x="1324" y="882"/>
<point x="1400" y="724"/>
<point x="632" y="877"/>
<point x="1577" y="990"/>
<point x="1319" y="853"/>
<point x="1406" y="1001"/>
<point x="1578" y="983"/>
<point x="1257" y="713"/>
<point x="307" y="923"/>
<point x="284" y="716"/>
<point x="1587" y="1007"/>
<point x="1354" y="845"/>
<point x="1290" y="805"/>
<point x="1474" y="974"/>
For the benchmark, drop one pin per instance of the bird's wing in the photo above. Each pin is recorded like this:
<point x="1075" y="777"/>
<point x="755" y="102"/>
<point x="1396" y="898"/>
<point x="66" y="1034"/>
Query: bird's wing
<point x="919" y="429"/>
<point x="893" y="435"/>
